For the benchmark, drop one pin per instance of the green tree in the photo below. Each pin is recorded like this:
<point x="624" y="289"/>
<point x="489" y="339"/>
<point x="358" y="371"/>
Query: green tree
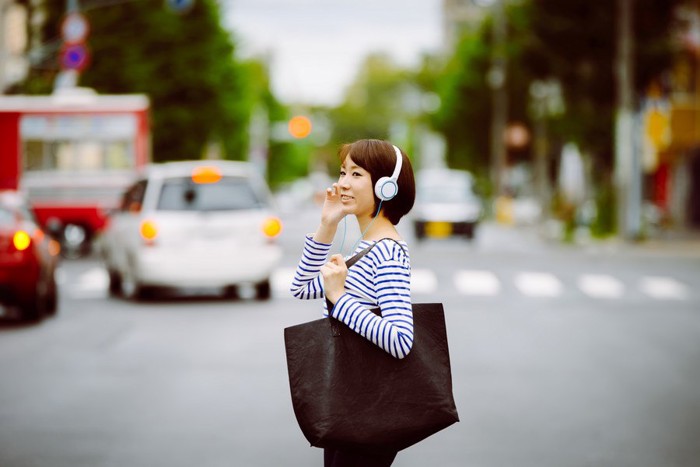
<point x="372" y="102"/>
<point x="465" y="115"/>
<point x="184" y="62"/>
<point x="575" y="42"/>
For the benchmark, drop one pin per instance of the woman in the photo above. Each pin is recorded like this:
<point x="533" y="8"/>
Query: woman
<point x="377" y="186"/>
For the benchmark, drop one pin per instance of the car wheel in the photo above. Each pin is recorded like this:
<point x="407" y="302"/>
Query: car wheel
<point x="263" y="290"/>
<point x="32" y="309"/>
<point x="131" y="288"/>
<point x="231" y="292"/>
<point x="115" y="282"/>
<point x="52" y="297"/>
<point x="419" y="230"/>
<point x="469" y="234"/>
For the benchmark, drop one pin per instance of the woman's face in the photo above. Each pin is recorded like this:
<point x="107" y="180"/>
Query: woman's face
<point x="356" y="189"/>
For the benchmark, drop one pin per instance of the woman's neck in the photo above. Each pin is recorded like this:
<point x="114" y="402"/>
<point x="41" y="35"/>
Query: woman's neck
<point x="377" y="228"/>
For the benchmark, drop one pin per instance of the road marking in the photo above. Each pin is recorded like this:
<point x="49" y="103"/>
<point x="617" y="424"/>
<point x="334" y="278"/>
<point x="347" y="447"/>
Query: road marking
<point x="663" y="288"/>
<point x="92" y="283"/>
<point x="483" y="283"/>
<point x="423" y="281"/>
<point x="601" y="286"/>
<point x="538" y="284"/>
<point x="281" y="280"/>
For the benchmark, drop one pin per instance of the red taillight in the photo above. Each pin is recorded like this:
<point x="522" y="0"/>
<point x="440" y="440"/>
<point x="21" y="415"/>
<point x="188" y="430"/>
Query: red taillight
<point x="272" y="227"/>
<point x="148" y="230"/>
<point x="21" y="240"/>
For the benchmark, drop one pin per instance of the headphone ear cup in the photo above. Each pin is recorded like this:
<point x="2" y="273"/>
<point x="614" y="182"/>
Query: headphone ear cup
<point x="386" y="188"/>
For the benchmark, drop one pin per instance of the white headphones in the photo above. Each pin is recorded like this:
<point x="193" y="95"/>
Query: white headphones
<point x="387" y="188"/>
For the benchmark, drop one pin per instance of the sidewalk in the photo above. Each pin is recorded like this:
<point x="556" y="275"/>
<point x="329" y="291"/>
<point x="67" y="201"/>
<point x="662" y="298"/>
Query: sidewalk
<point x="684" y="243"/>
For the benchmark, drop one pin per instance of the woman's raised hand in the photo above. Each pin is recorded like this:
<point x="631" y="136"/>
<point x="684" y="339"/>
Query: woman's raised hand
<point x="333" y="210"/>
<point x="334" y="273"/>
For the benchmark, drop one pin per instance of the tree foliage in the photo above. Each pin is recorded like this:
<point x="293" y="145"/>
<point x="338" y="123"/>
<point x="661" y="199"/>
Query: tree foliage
<point x="184" y="62"/>
<point x="575" y="42"/>
<point x="371" y="103"/>
<point x="572" y="41"/>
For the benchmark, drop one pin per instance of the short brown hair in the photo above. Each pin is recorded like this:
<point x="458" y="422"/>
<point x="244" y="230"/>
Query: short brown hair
<point x="379" y="159"/>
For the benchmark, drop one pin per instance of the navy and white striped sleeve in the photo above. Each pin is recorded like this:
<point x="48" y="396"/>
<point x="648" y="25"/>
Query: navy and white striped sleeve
<point x="307" y="283"/>
<point x="393" y="331"/>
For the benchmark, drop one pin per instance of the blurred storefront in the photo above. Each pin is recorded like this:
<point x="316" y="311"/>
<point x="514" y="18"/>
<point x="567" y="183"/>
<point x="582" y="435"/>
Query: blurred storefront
<point x="671" y="126"/>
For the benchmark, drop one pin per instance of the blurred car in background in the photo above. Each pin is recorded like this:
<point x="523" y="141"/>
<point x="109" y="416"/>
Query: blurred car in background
<point x="28" y="261"/>
<point x="446" y="204"/>
<point x="193" y="224"/>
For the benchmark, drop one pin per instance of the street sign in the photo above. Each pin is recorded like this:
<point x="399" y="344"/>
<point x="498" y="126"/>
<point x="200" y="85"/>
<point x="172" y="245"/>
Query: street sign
<point x="180" y="6"/>
<point x="74" y="57"/>
<point x="75" y="28"/>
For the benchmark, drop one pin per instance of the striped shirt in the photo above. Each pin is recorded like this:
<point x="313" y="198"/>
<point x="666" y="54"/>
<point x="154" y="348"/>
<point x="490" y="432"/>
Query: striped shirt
<point x="381" y="278"/>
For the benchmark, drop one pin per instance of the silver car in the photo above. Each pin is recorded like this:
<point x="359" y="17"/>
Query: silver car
<point x="193" y="224"/>
<point x="446" y="204"/>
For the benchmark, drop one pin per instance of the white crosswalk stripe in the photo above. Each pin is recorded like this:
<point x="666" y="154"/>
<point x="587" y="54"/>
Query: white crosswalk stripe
<point x="94" y="282"/>
<point x="423" y="281"/>
<point x="538" y="284"/>
<point x="663" y="288"/>
<point x="484" y="283"/>
<point x="601" y="286"/>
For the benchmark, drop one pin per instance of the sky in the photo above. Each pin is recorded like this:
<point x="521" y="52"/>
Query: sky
<point x="315" y="46"/>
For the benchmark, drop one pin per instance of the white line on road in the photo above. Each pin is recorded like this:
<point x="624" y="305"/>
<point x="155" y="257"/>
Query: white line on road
<point x="94" y="283"/>
<point x="538" y="284"/>
<point x="663" y="288"/>
<point x="280" y="281"/>
<point x="601" y="286"/>
<point x="483" y="283"/>
<point x="423" y="281"/>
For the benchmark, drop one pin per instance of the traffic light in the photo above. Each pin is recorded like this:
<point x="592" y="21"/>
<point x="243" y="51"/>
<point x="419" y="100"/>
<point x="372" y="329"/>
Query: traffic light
<point x="299" y="126"/>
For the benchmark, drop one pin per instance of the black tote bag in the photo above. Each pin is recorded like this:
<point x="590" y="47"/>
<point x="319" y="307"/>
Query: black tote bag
<point x="349" y="394"/>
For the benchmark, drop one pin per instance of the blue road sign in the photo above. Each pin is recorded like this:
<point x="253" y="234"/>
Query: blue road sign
<point x="74" y="57"/>
<point x="180" y="6"/>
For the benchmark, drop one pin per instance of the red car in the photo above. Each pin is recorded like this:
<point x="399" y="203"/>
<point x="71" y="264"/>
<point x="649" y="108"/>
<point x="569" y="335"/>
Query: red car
<point x="28" y="260"/>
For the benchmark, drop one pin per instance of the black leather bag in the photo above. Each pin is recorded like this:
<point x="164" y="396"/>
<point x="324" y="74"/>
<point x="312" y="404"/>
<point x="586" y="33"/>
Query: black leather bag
<point x="349" y="394"/>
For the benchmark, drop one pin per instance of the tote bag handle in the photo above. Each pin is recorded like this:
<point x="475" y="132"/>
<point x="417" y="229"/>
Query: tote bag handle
<point x="336" y="324"/>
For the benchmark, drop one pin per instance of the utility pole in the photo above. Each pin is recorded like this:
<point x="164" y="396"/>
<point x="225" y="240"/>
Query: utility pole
<point x="497" y="81"/>
<point x="626" y="171"/>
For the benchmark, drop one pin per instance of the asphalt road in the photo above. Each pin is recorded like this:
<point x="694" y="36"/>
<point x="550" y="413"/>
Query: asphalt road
<point x="561" y="357"/>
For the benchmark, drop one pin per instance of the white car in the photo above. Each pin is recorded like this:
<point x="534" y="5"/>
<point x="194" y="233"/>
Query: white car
<point x="193" y="224"/>
<point x="446" y="204"/>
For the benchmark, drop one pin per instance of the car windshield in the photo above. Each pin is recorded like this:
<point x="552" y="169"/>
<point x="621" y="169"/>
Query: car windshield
<point x="447" y="193"/>
<point x="228" y="194"/>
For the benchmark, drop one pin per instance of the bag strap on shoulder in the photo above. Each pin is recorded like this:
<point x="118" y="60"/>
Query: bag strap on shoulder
<point x="335" y="324"/>
<point x="360" y="254"/>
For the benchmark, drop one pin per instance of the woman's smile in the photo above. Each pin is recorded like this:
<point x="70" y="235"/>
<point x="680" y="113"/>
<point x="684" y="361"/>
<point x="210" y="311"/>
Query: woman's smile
<point x="344" y="197"/>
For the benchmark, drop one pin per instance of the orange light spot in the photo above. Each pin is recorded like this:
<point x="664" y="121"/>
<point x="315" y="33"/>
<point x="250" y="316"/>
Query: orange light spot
<point x="206" y="174"/>
<point x="54" y="247"/>
<point x="21" y="240"/>
<point x="272" y="227"/>
<point x="148" y="230"/>
<point x="299" y="126"/>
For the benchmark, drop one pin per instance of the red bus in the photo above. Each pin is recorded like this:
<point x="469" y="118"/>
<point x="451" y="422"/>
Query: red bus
<point x="71" y="154"/>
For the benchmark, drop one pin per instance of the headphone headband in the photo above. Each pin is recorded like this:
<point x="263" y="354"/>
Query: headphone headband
<point x="399" y="162"/>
